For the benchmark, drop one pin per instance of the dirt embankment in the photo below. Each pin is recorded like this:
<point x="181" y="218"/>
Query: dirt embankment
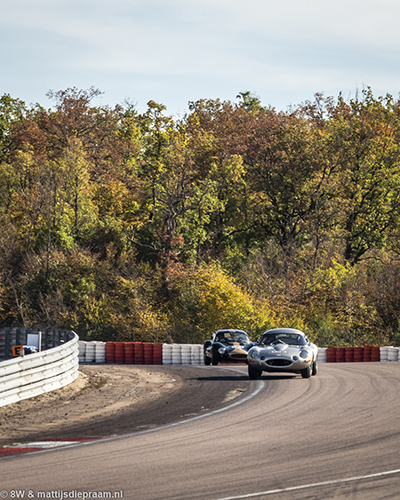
<point x="110" y="400"/>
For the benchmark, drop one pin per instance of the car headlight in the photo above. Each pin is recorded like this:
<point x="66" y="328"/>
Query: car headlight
<point x="304" y="354"/>
<point x="222" y="350"/>
<point x="255" y="354"/>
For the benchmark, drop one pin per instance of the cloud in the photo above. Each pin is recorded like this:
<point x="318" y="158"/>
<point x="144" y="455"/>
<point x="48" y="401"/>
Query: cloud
<point x="262" y="45"/>
<point x="158" y="28"/>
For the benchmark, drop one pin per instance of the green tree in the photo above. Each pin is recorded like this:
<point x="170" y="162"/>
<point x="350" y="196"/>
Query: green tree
<point x="365" y="155"/>
<point x="12" y="111"/>
<point x="284" y="175"/>
<point x="182" y="185"/>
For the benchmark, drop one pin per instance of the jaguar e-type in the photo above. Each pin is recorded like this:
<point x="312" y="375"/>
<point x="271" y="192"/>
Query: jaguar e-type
<point x="284" y="350"/>
<point x="227" y="345"/>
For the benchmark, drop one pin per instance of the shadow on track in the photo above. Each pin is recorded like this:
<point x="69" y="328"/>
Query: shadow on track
<point x="233" y="378"/>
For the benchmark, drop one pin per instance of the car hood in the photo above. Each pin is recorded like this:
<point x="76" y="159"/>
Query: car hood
<point x="237" y="346"/>
<point x="282" y="349"/>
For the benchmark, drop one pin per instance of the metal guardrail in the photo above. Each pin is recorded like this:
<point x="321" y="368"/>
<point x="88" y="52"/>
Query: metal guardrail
<point x="28" y="376"/>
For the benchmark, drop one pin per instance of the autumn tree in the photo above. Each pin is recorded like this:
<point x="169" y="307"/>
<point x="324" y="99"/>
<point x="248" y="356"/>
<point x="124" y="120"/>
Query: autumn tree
<point x="12" y="111"/>
<point x="365" y="154"/>
<point x="182" y="185"/>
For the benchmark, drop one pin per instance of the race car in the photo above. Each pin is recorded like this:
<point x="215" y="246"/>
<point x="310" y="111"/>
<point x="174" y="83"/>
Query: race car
<point x="227" y="345"/>
<point x="284" y="350"/>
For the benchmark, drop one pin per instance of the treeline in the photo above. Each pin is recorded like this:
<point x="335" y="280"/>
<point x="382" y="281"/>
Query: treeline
<point x="140" y="226"/>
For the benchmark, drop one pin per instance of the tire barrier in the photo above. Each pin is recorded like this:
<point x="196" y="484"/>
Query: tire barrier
<point x="349" y="354"/>
<point x="340" y="354"/>
<point x="146" y="353"/>
<point x="322" y="355"/>
<point x="157" y="354"/>
<point x="129" y="353"/>
<point x="330" y="354"/>
<point x="176" y="354"/>
<point x="110" y="352"/>
<point x="375" y="354"/>
<point x="31" y="375"/>
<point x="186" y="354"/>
<point x="81" y="351"/>
<point x="90" y="352"/>
<point x="119" y="352"/>
<point x="139" y="353"/>
<point x="366" y="353"/>
<point x="100" y="352"/>
<point x="167" y="354"/>
<point x="197" y="356"/>
<point x="389" y="353"/>
<point x="361" y="354"/>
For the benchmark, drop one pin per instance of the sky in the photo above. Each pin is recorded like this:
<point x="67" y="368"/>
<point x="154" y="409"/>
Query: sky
<point x="178" y="51"/>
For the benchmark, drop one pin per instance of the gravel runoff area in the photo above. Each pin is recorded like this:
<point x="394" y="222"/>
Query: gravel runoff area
<point x="108" y="400"/>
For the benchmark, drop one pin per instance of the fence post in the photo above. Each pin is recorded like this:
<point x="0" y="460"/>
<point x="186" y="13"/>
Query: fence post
<point x="17" y="336"/>
<point x="7" y="344"/>
<point x="46" y="339"/>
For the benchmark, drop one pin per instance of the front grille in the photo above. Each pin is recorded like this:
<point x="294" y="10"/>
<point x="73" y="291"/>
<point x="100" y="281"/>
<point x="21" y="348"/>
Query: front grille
<point x="279" y="362"/>
<point x="238" y="356"/>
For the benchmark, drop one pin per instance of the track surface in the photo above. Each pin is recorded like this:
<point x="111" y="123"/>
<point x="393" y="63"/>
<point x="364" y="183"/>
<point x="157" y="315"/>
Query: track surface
<point x="324" y="438"/>
<point x="119" y="399"/>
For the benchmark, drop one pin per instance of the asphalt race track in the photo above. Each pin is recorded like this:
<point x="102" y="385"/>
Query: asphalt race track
<point x="334" y="436"/>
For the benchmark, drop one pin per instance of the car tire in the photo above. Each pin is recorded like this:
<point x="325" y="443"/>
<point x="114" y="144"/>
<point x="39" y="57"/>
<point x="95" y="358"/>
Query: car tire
<point x="314" y="368"/>
<point x="254" y="374"/>
<point x="306" y="373"/>
<point x="214" y="357"/>
<point x="207" y="360"/>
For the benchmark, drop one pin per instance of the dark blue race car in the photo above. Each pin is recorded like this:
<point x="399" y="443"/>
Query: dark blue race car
<point x="227" y="345"/>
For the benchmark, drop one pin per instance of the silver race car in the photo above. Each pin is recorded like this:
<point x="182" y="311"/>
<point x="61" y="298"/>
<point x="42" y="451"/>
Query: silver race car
<point x="283" y="350"/>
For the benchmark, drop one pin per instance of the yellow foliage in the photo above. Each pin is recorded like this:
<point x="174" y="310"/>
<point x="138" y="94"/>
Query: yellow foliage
<point x="209" y="300"/>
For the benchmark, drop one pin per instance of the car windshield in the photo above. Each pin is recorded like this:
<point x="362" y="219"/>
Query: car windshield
<point x="232" y="337"/>
<point x="287" y="338"/>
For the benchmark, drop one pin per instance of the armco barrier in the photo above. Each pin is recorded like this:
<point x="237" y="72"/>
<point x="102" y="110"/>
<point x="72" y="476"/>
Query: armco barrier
<point x="28" y="376"/>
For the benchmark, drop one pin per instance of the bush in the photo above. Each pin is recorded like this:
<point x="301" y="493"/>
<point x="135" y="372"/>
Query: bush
<point x="206" y="299"/>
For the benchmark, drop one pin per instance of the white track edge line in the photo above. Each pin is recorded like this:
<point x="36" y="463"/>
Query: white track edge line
<point x="312" y="485"/>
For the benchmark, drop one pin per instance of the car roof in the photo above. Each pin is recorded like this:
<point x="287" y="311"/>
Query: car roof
<point x="231" y="330"/>
<point x="285" y="330"/>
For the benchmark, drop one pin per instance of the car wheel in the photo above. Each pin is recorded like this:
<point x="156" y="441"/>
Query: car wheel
<point x="306" y="373"/>
<point x="207" y="360"/>
<point x="214" y="357"/>
<point x="254" y="373"/>
<point x="314" y="368"/>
